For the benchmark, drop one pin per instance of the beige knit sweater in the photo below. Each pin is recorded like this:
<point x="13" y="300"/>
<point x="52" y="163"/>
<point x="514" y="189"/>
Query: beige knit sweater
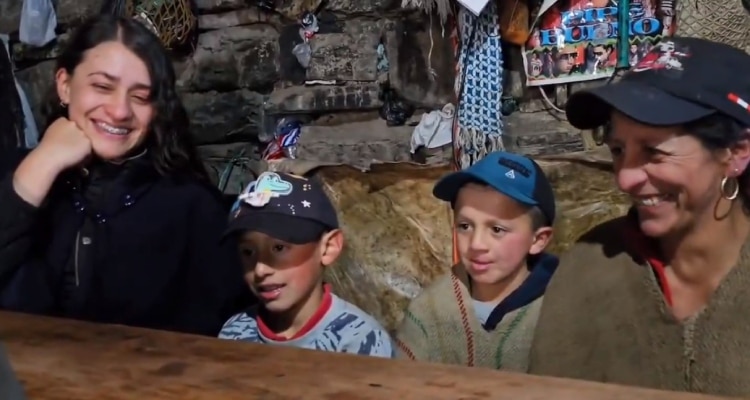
<point x="440" y="326"/>
<point x="605" y="319"/>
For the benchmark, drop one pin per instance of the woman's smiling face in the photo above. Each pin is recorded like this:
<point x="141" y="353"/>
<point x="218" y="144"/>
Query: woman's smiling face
<point x="108" y="96"/>
<point x="671" y="177"/>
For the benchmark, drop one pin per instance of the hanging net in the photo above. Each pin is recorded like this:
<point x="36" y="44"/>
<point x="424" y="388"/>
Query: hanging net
<point x="172" y="20"/>
<point x="724" y="21"/>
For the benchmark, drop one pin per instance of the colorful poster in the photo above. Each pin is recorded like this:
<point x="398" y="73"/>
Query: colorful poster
<point x="576" y="40"/>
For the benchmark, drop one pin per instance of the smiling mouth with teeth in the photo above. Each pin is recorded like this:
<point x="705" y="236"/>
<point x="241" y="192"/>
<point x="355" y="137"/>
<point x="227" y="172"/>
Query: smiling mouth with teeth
<point x="651" y="200"/>
<point x="113" y="130"/>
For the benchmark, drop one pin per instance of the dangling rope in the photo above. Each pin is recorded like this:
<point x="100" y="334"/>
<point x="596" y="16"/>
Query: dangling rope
<point x="456" y="42"/>
<point x="443" y="7"/>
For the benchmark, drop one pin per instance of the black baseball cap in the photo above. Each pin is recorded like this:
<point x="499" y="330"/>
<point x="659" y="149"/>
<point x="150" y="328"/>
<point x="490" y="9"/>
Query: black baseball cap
<point x="513" y="175"/>
<point x="284" y="206"/>
<point x="680" y="80"/>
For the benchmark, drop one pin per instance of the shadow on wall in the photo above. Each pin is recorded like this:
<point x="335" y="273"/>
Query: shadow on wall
<point x="421" y="48"/>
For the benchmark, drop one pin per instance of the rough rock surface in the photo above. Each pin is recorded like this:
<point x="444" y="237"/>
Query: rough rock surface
<point x="357" y="143"/>
<point x="241" y="57"/>
<point x="242" y="69"/>
<point x="69" y="12"/>
<point x="325" y="98"/>
<point x="359" y="66"/>
<point x="418" y="71"/>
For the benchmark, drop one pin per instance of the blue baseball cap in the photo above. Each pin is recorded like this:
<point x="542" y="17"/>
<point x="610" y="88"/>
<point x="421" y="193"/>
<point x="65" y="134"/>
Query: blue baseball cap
<point x="513" y="175"/>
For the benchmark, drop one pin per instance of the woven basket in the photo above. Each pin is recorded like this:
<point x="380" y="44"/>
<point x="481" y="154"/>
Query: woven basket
<point x="172" y="20"/>
<point x="724" y="21"/>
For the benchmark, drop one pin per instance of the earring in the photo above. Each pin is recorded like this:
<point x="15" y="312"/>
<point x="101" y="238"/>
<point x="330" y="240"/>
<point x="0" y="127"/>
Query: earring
<point x="63" y="105"/>
<point x="729" y="188"/>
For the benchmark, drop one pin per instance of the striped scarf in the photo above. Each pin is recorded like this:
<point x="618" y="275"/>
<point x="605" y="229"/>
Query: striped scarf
<point x="440" y="326"/>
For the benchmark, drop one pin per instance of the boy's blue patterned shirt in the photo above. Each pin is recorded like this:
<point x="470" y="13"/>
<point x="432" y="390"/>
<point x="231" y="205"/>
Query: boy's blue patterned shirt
<point x="344" y="328"/>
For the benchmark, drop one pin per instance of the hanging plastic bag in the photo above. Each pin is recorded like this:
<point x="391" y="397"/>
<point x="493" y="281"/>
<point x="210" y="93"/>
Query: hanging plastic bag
<point x="309" y="24"/>
<point x="514" y="21"/>
<point x="394" y="110"/>
<point x="38" y="22"/>
<point x="284" y="144"/>
<point x="435" y="129"/>
<point x="303" y="52"/>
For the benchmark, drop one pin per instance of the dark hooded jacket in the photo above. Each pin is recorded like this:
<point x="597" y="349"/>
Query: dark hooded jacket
<point x="120" y="244"/>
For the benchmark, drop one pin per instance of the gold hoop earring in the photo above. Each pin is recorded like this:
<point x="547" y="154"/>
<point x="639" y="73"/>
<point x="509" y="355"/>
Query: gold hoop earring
<point x="731" y="183"/>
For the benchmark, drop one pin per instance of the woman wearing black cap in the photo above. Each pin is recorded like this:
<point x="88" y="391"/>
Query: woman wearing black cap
<point x="659" y="298"/>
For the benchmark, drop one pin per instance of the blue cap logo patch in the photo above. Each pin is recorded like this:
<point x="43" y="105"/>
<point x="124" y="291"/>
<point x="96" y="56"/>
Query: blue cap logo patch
<point x="260" y="191"/>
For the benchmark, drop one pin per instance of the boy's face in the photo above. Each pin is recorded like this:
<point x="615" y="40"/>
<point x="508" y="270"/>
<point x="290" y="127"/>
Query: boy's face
<point x="494" y="234"/>
<point x="286" y="276"/>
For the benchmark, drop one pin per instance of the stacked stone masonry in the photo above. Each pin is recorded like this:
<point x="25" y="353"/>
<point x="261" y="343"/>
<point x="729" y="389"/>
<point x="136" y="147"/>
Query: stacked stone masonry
<point x="242" y="72"/>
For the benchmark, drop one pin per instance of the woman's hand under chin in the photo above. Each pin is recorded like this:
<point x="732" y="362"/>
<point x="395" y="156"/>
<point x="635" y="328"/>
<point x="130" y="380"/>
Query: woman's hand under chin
<point x="63" y="145"/>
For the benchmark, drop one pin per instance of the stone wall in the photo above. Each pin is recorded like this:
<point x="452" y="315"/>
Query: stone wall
<point x="243" y="73"/>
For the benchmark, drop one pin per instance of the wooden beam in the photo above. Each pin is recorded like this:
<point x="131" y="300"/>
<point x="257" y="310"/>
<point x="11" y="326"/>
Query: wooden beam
<point x="62" y="360"/>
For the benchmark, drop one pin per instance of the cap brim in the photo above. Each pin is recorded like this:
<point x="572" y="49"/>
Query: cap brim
<point x="589" y="109"/>
<point x="283" y="227"/>
<point x="447" y="188"/>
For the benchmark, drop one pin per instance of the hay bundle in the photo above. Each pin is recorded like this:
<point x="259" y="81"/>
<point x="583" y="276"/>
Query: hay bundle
<point x="399" y="237"/>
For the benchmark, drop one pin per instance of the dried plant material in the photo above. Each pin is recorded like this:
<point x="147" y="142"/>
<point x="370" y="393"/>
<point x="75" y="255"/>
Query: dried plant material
<point x="398" y="236"/>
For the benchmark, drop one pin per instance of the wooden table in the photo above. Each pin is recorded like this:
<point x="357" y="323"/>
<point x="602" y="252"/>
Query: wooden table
<point x="69" y="360"/>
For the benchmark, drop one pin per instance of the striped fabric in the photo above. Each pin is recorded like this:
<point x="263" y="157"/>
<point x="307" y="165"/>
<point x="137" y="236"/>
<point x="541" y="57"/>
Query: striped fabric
<point x="478" y="85"/>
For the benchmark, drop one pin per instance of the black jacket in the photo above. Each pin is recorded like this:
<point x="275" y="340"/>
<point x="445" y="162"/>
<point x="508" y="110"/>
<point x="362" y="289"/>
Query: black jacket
<point x="120" y="246"/>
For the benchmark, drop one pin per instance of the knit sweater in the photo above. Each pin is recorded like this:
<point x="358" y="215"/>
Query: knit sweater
<point x="606" y="319"/>
<point x="440" y="325"/>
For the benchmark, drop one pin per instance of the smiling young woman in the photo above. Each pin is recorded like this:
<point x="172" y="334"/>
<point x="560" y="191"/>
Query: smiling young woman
<point x="111" y="218"/>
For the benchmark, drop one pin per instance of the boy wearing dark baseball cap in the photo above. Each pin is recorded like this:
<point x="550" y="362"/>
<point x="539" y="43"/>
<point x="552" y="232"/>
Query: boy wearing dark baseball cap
<point x="287" y="233"/>
<point x="484" y="311"/>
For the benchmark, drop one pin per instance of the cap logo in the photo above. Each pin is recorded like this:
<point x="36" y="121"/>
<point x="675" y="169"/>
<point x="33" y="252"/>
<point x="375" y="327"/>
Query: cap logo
<point x="739" y="101"/>
<point x="514" y="166"/>
<point x="666" y="55"/>
<point x="268" y="185"/>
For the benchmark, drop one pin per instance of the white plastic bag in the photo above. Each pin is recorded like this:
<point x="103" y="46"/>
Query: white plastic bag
<point x="303" y="52"/>
<point x="435" y="129"/>
<point x="38" y="22"/>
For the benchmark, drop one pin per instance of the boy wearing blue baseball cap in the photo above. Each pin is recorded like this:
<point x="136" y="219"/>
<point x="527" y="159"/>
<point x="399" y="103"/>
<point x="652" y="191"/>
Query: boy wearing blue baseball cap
<point x="287" y="233"/>
<point x="484" y="311"/>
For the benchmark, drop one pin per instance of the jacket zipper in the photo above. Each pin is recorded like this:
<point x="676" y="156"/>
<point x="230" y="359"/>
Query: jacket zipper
<point x="75" y="258"/>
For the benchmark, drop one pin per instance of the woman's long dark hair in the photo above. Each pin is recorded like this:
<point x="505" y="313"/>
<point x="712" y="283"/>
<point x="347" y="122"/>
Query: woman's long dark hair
<point x="169" y="143"/>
